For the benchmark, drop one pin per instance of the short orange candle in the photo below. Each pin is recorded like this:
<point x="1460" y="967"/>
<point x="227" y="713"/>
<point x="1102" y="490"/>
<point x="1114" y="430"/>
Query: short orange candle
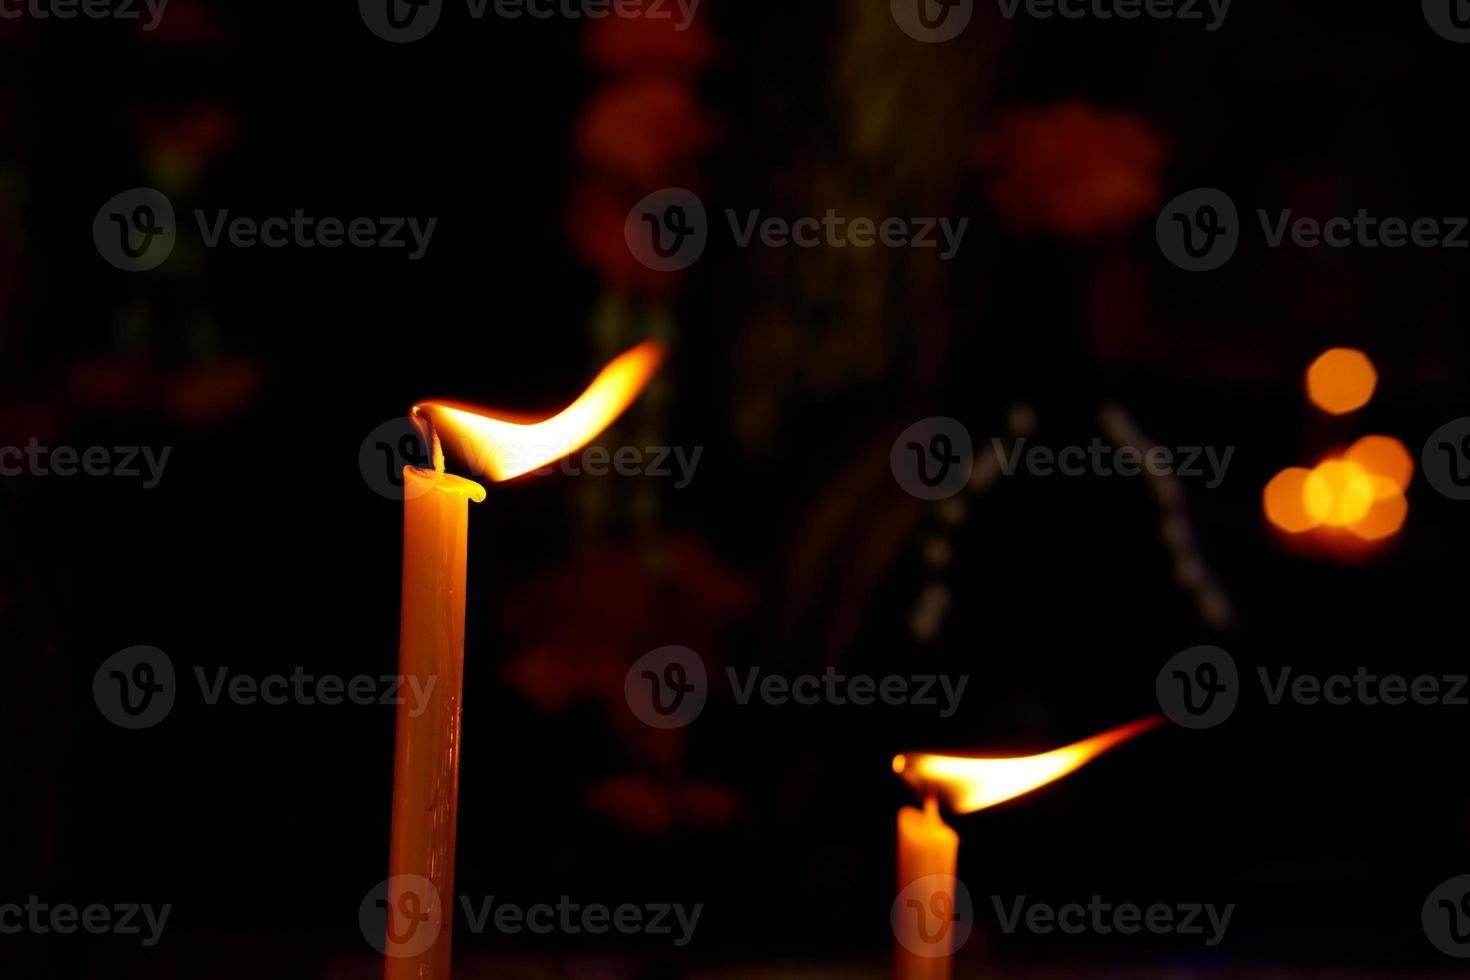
<point x="928" y="857"/>
<point x="928" y="919"/>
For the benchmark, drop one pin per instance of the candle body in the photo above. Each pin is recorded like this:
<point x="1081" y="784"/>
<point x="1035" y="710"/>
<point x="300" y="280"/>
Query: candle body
<point x="426" y="754"/>
<point x="928" y="857"/>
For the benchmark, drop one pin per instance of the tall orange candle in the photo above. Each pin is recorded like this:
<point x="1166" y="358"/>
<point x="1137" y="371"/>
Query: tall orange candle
<point x="426" y="753"/>
<point x="420" y="899"/>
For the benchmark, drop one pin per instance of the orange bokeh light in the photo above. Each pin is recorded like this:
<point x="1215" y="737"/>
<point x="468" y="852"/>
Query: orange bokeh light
<point x="1384" y="518"/>
<point x="1337" y="493"/>
<point x="1341" y="380"/>
<point x="1285" y="501"/>
<point x="1383" y="456"/>
<point x="1361" y="491"/>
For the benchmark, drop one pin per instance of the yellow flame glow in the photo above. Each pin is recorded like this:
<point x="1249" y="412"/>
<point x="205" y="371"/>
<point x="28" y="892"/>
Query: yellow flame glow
<point x="970" y="783"/>
<point x="503" y="447"/>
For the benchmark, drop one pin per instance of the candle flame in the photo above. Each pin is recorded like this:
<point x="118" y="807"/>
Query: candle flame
<point x="970" y="783"/>
<point x="504" y="446"/>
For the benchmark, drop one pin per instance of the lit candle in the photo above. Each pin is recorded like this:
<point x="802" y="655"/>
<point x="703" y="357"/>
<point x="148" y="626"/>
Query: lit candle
<point x="925" y="917"/>
<point x="420" y="899"/>
<point x="426" y="753"/>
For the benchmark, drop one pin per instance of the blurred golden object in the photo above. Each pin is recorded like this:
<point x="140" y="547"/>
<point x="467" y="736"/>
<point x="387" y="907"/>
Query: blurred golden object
<point x="1342" y="380"/>
<point x="1285" y="501"/>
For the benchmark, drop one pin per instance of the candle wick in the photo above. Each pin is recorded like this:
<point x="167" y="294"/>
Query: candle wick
<point x="430" y="437"/>
<point x="931" y="805"/>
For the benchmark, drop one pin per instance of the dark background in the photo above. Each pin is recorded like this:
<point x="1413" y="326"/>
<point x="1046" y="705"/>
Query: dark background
<point x="263" y="549"/>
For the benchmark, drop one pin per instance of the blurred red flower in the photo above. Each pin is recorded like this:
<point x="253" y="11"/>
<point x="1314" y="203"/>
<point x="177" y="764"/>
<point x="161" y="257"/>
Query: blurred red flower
<point x="187" y="24"/>
<point x="1074" y="170"/>
<point x="643" y="805"/>
<point x="196" y="397"/>
<point x="212" y="394"/>
<point x="197" y="133"/>
<point x="646" y="132"/>
<point x="646" y="43"/>
<point x="623" y="608"/>
<point x="595" y="217"/>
